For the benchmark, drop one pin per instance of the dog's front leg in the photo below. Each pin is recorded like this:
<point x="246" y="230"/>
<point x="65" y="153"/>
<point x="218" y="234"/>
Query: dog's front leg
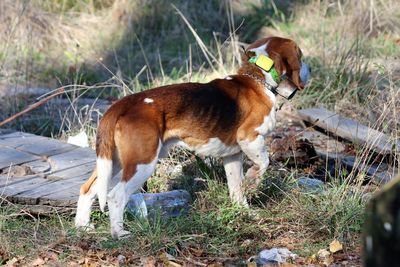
<point x="234" y="174"/>
<point x="257" y="152"/>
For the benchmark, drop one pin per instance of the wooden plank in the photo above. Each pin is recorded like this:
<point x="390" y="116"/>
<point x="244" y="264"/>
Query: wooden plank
<point x="5" y="180"/>
<point x="72" y="158"/>
<point x="29" y="190"/>
<point x="69" y="195"/>
<point x="38" y="166"/>
<point x="49" y="210"/>
<point x="61" y="169"/>
<point x="34" y="144"/>
<point x="11" y="191"/>
<point x="52" y="186"/>
<point x="60" y="199"/>
<point x="85" y="168"/>
<point x="9" y="156"/>
<point x="350" y="130"/>
<point x="67" y="190"/>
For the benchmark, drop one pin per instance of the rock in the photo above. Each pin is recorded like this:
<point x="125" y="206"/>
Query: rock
<point x="310" y="185"/>
<point x="121" y="259"/>
<point x="274" y="255"/>
<point x="380" y="172"/>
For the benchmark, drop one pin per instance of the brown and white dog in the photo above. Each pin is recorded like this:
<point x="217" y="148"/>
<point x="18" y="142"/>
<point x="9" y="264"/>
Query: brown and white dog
<point x="221" y="118"/>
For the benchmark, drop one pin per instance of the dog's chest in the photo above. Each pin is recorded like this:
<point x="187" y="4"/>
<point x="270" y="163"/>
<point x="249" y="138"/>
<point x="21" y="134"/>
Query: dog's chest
<point x="268" y="124"/>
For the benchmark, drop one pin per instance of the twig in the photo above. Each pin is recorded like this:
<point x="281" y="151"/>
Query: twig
<point x="59" y="91"/>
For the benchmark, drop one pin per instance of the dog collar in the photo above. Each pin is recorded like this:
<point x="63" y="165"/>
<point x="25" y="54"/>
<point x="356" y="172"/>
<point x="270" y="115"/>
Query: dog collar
<point x="267" y="64"/>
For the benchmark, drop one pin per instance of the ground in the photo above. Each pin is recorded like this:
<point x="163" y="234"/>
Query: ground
<point x="109" y="48"/>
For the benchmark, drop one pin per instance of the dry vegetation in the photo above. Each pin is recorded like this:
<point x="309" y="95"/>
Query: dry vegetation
<point x="109" y="48"/>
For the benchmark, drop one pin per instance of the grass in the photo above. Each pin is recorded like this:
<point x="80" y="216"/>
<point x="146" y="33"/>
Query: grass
<point x="141" y="45"/>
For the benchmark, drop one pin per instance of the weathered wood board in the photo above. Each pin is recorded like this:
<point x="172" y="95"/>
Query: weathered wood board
<point x="350" y="130"/>
<point x="55" y="173"/>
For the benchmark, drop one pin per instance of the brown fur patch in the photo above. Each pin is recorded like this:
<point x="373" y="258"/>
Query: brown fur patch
<point x="85" y="188"/>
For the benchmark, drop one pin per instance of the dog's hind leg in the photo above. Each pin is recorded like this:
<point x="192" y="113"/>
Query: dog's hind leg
<point x="119" y="196"/>
<point x="87" y="196"/>
<point x="138" y="155"/>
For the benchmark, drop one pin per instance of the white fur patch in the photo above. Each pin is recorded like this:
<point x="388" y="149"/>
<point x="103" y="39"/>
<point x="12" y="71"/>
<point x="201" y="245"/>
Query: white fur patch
<point x="148" y="100"/>
<point x="268" y="123"/>
<point x="261" y="50"/>
<point x="228" y="78"/>
<point x="104" y="173"/>
<point x="214" y="147"/>
<point x="85" y="201"/>
<point x="257" y="152"/>
<point x="233" y="166"/>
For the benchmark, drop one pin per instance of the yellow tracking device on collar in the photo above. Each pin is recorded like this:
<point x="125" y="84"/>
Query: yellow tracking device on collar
<point x="262" y="61"/>
<point x="266" y="63"/>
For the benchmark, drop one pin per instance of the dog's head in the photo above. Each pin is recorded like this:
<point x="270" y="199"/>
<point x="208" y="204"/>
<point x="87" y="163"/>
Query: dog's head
<point x="287" y="60"/>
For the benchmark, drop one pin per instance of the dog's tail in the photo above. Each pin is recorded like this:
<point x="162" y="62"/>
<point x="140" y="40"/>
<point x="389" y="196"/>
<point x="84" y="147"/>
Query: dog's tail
<point x="105" y="147"/>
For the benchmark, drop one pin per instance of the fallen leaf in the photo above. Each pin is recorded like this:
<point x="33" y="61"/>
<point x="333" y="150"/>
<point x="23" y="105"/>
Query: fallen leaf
<point x="196" y="252"/>
<point x="325" y="257"/>
<point x="323" y="253"/>
<point x="12" y="262"/>
<point x="148" y="261"/>
<point x="167" y="259"/>
<point x="39" y="261"/>
<point x="335" y="246"/>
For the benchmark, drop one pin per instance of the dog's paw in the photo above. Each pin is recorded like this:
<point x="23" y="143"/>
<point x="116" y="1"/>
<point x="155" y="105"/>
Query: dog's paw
<point x="252" y="178"/>
<point x="252" y="173"/>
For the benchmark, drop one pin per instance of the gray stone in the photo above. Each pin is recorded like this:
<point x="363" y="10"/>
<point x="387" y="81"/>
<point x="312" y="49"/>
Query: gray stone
<point x="310" y="185"/>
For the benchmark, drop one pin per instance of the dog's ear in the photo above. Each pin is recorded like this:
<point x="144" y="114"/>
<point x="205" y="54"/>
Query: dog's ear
<point x="294" y="63"/>
<point x="287" y="59"/>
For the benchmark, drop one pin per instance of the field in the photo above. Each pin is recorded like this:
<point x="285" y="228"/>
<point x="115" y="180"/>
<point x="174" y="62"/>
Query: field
<point x="106" y="49"/>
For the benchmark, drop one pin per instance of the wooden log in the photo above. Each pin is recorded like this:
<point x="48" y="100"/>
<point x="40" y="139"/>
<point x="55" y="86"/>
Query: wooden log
<point x="325" y="146"/>
<point x="350" y="130"/>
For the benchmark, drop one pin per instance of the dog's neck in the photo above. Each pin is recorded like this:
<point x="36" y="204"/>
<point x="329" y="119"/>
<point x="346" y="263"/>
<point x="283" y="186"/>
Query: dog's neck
<point x="257" y="75"/>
